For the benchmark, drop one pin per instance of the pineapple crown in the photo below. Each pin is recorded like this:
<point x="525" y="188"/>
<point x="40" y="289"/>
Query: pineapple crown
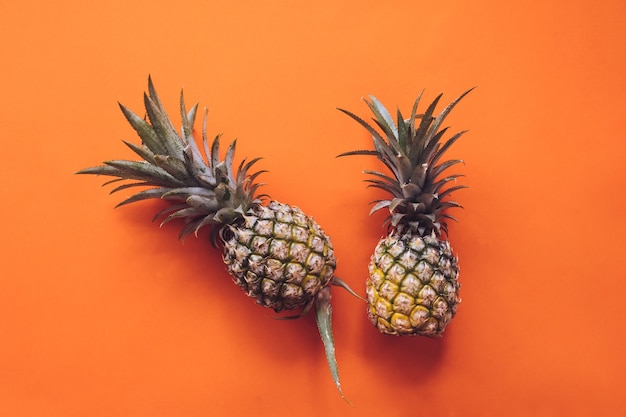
<point x="204" y="192"/>
<point x="412" y="149"/>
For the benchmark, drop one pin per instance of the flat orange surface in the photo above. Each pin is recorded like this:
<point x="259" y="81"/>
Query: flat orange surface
<point x="102" y="313"/>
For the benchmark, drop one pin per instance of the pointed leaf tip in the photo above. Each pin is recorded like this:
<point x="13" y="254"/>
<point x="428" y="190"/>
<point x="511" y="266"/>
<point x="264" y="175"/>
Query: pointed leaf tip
<point x="323" y="316"/>
<point x="341" y="283"/>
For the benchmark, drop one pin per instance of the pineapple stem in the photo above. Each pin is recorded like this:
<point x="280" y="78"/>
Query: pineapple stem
<point x="323" y="315"/>
<point x="341" y="283"/>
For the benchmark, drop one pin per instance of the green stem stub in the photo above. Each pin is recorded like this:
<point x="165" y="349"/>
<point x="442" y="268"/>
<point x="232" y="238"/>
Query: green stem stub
<point x="323" y="316"/>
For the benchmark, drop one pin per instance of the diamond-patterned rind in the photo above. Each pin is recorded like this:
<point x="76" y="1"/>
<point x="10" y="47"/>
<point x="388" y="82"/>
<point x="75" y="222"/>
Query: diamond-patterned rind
<point x="279" y="256"/>
<point x="413" y="288"/>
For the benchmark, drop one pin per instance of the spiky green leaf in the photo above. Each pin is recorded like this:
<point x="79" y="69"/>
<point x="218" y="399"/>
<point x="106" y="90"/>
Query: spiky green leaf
<point x="450" y="190"/>
<point x="323" y="316"/>
<point x="444" y="113"/>
<point x="442" y="150"/>
<point x="143" y="171"/>
<point x="383" y="117"/>
<point x="403" y="130"/>
<point x="183" y="193"/>
<point x="380" y="205"/>
<point x="436" y="171"/>
<point x="143" y="195"/>
<point x="145" y="131"/>
<point x="143" y="151"/>
<point x="163" y="127"/>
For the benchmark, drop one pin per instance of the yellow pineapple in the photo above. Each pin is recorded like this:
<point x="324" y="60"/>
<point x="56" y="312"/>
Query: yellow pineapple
<point x="277" y="254"/>
<point x="413" y="286"/>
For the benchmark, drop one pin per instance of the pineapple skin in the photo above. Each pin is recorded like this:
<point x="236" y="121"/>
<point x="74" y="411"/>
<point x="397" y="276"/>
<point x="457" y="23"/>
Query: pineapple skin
<point x="413" y="286"/>
<point x="279" y="256"/>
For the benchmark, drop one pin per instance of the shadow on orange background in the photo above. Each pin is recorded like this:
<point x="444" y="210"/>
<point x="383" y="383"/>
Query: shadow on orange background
<point x="104" y="314"/>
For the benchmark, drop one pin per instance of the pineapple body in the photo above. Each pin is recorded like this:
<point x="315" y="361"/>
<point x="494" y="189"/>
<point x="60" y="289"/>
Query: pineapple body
<point x="413" y="286"/>
<point x="279" y="256"/>
<point x="276" y="253"/>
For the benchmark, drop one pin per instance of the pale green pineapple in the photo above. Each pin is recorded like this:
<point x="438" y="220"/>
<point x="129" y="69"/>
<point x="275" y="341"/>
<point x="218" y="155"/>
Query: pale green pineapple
<point x="278" y="255"/>
<point x="413" y="286"/>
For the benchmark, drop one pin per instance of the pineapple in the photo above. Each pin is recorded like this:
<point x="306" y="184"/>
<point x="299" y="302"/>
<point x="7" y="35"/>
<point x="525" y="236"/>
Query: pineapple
<point x="277" y="254"/>
<point x="413" y="286"/>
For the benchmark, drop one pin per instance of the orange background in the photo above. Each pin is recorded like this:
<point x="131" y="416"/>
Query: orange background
<point x="104" y="314"/>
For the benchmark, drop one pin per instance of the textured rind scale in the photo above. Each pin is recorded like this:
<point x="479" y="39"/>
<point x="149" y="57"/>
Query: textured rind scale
<point x="279" y="256"/>
<point x="413" y="288"/>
